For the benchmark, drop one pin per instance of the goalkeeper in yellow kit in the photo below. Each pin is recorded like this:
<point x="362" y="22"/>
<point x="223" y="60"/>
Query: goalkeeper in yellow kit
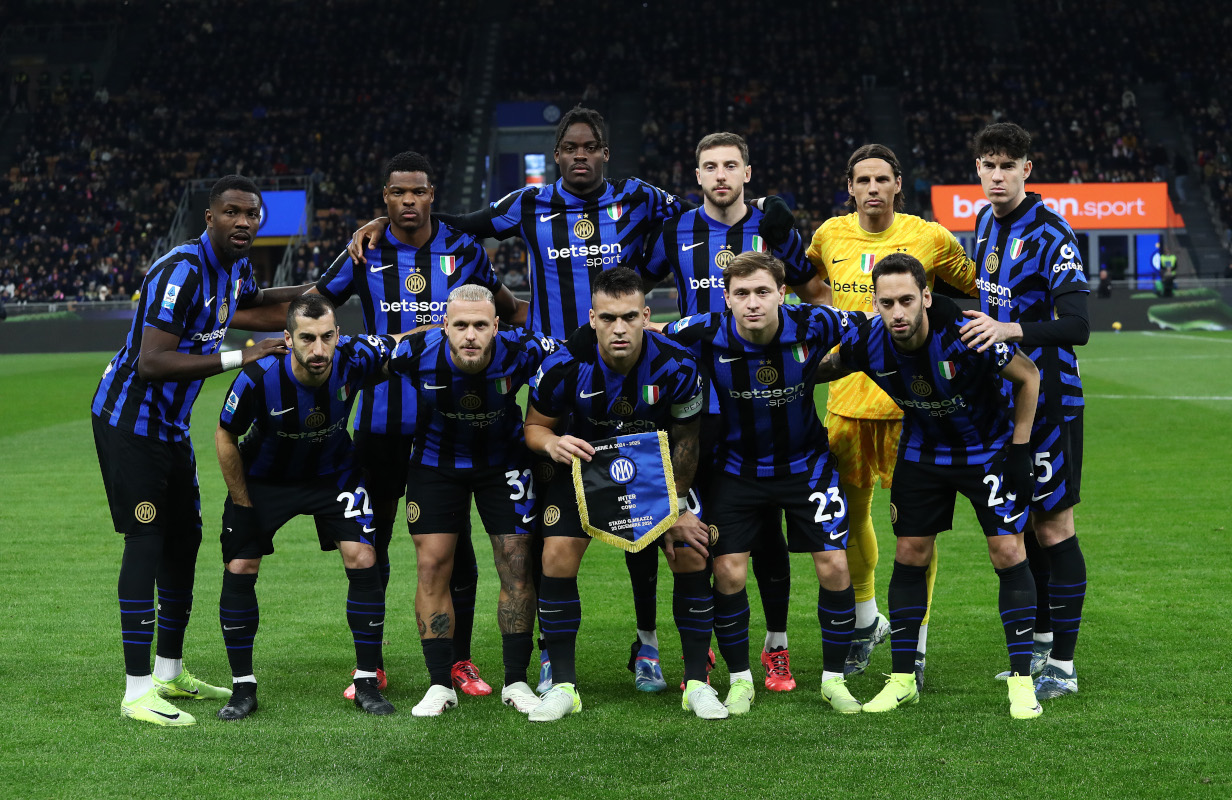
<point x="862" y="421"/>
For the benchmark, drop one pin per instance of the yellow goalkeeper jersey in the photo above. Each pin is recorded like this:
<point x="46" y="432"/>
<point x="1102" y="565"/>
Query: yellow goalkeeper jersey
<point x="844" y="254"/>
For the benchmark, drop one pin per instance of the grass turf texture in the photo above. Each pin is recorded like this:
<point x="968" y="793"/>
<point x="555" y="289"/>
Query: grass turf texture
<point x="1152" y="717"/>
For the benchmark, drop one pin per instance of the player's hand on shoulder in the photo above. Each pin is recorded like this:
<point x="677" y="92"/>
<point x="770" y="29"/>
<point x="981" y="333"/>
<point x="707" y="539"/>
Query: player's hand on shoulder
<point x="273" y="346"/>
<point x="582" y="343"/>
<point x="562" y="449"/>
<point x="778" y="221"/>
<point x="982" y="331"/>
<point x="366" y="238"/>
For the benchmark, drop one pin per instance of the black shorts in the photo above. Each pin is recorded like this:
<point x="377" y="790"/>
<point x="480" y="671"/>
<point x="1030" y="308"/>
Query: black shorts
<point x="339" y="505"/>
<point x="922" y="499"/>
<point x="438" y="499"/>
<point x="384" y="458"/>
<point x="1058" y="464"/>
<point x="151" y="484"/>
<point x="812" y="502"/>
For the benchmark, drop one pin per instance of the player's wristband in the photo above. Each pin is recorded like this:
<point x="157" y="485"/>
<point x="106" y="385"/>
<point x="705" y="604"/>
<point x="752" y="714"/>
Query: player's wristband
<point x="682" y="504"/>
<point x="232" y="359"/>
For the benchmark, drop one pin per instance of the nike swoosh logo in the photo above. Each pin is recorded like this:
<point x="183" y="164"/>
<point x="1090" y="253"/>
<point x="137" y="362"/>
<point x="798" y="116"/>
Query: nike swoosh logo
<point x="835" y="536"/>
<point x="726" y="625"/>
<point x="147" y="622"/>
<point x="726" y="360"/>
<point x="896" y="630"/>
<point x="883" y="374"/>
<point x="842" y="621"/>
<point x="904" y="697"/>
<point x="700" y="610"/>
<point x="161" y="714"/>
<point x="552" y="611"/>
<point x="1042" y="496"/>
<point x="780" y="579"/>
<point x="835" y="261"/>
<point x="229" y="530"/>
<point x="209" y="300"/>
<point x="527" y="520"/>
<point x="383" y="266"/>
<point x="280" y="413"/>
<point x="430" y="386"/>
<point x="1054" y="608"/>
<point x="231" y="627"/>
<point x="1008" y="520"/>
<point x="585" y="395"/>
<point x="977" y="241"/>
<point x="1021" y="632"/>
<point x="546" y="217"/>
<point x="375" y="624"/>
<point x="684" y="248"/>
<point x="369" y="530"/>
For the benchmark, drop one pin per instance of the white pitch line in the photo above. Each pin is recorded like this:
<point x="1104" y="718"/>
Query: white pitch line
<point x="1183" y="336"/>
<point x="1159" y="357"/>
<point x="1155" y="397"/>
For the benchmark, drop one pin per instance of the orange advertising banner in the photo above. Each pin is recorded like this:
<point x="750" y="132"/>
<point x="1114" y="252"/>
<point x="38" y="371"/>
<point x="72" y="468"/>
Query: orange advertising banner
<point x="1086" y="206"/>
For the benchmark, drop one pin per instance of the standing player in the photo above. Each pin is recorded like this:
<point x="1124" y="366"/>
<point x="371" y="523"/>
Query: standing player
<point x="693" y="248"/>
<point x="958" y="436"/>
<point x="773" y="458"/>
<point x="404" y="285"/>
<point x="1034" y="292"/>
<point x="297" y="459"/>
<point x="468" y="440"/>
<point x="623" y="380"/>
<point x="864" y="424"/>
<point x="140" y="416"/>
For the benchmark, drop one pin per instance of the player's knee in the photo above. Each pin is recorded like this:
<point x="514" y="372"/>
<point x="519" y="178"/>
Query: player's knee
<point x="1055" y="528"/>
<point x="357" y="556"/>
<point x="914" y="551"/>
<point x="1005" y="551"/>
<point x="687" y="560"/>
<point x="832" y="571"/>
<point x="244" y="566"/>
<point x="730" y="573"/>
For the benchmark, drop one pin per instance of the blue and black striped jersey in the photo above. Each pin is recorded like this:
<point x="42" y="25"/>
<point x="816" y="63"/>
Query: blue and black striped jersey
<point x="400" y="288"/>
<point x="770" y="423"/>
<point x="297" y="432"/>
<point x="571" y="239"/>
<point x="695" y="248"/>
<point x="663" y="388"/>
<point x="468" y="420"/>
<point x="954" y="412"/>
<point x="1024" y="262"/>
<point x="189" y="294"/>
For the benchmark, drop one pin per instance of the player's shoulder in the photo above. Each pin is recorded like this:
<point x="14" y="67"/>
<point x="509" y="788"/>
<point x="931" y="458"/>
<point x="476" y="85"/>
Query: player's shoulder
<point x="453" y="240"/>
<point x="695" y="325"/>
<point x="666" y="348"/>
<point x="262" y="366"/>
<point x="834" y="226"/>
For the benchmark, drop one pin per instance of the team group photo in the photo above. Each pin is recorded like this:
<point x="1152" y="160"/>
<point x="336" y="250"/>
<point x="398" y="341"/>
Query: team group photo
<point x="688" y="340"/>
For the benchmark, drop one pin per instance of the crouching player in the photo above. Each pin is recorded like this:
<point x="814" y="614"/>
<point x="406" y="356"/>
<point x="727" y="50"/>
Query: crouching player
<point x="624" y="380"/>
<point x="959" y="435"/>
<point x="297" y="459"/>
<point x="468" y="440"/>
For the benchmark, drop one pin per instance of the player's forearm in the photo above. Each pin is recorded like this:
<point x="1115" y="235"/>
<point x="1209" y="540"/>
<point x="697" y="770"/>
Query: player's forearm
<point x="816" y="292"/>
<point x="476" y="223"/>
<point x="172" y="365"/>
<point x="539" y="438"/>
<point x="1024" y="375"/>
<point x="831" y="369"/>
<point x="232" y="465"/>
<point x="268" y="318"/>
<point x="281" y="294"/>
<point x="1071" y="327"/>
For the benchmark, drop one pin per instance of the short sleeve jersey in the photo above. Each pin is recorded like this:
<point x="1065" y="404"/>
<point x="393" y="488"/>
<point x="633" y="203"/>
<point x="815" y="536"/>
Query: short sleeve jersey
<point x="770" y="423"/>
<point x="844" y="254"/>
<point x="188" y="293"/>
<point x="295" y="432"/>
<point x="401" y="288"/>
<point x="662" y="389"/>
<point x="954" y="409"/>
<point x="1025" y="262"/>
<point x="465" y="419"/>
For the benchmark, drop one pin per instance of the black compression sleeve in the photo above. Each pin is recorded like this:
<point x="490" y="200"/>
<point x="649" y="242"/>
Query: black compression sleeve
<point x="1072" y="325"/>
<point x="477" y="223"/>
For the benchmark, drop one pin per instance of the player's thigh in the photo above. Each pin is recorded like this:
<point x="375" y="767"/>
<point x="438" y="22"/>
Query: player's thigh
<point x="1057" y="451"/>
<point x="438" y="500"/>
<point x="560" y="509"/>
<point x="921" y="499"/>
<point x="505" y="499"/>
<point x="984" y="486"/>
<point x="735" y="509"/>
<point x="814" y="507"/>
<point x="151" y="485"/>
<point x="383" y="457"/>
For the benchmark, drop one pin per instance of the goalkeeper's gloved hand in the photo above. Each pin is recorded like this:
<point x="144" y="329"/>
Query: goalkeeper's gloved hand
<point x="778" y="222"/>
<point x="1019" y="473"/>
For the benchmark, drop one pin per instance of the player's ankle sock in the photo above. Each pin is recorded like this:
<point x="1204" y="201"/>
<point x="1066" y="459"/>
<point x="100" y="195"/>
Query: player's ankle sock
<point x="1067" y="588"/>
<point x="560" y="614"/>
<point x="463" y="585"/>
<point x="1068" y="666"/>
<point x="174" y="608"/>
<point x="648" y="637"/>
<point x="907" y="601"/>
<point x="239" y="616"/>
<point x="866" y="614"/>
<point x="836" y="613"/>
<point x="365" y="611"/>
<point x="1041" y="574"/>
<point x="136" y="685"/>
<point x="1043" y="638"/>
<point x="249" y="678"/>
<point x="772" y="569"/>
<point x="775" y="640"/>
<point x="136" y="593"/>
<point x="731" y="628"/>
<point x="438" y="655"/>
<point x="1016" y="600"/>
<point x="515" y="653"/>
<point x="922" y="644"/>
<point x="166" y="669"/>
<point x="693" y="608"/>
<point x="742" y="675"/>
<point x="644" y="576"/>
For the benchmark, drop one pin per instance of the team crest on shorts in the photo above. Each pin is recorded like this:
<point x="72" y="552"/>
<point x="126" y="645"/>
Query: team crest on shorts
<point x="583" y="228"/>
<point x="551" y="515"/>
<point x="723" y="257"/>
<point x="415" y="283"/>
<point x="893" y="514"/>
<point x="921" y="387"/>
<point x="992" y="262"/>
<point x="145" y="512"/>
<point x="544" y="472"/>
<point x="470" y="402"/>
<point x="412" y="512"/>
<point x="714" y="535"/>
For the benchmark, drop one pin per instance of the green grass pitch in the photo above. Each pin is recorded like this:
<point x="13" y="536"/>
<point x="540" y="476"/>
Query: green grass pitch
<point x="1153" y="718"/>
